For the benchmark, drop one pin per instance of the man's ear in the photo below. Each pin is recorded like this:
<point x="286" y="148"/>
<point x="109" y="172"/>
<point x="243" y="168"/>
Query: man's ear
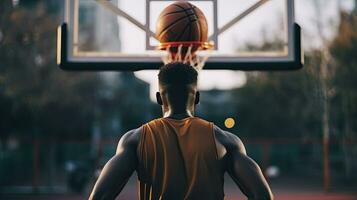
<point x="158" y="98"/>
<point x="197" y="98"/>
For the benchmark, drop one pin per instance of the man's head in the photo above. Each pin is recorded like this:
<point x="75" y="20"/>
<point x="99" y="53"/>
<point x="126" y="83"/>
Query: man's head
<point x="178" y="86"/>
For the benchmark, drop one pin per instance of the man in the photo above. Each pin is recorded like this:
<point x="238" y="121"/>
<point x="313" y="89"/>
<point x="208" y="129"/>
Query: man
<point x="180" y="156"/>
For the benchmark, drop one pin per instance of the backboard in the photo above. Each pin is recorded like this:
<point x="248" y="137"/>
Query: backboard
<point x="120" y="35"/>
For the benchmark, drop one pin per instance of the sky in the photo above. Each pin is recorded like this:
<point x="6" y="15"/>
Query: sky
<point x="266" y="23"/>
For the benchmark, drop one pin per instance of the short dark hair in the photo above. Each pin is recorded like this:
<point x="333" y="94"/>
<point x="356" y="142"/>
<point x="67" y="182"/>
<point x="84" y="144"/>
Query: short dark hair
<point x="177" y="74"/>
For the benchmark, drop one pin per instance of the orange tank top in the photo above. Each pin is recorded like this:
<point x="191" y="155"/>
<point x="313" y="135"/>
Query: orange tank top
<point x="178" y="161"/>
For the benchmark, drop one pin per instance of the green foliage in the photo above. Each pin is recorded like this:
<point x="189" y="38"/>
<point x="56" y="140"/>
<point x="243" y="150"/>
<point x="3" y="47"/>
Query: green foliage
<point x="279" y="105"/>
<point x="38" y="98"/>
<point x="289" y="104"/>
<point x="344" y="51"/>
<point x="32" y="88"/>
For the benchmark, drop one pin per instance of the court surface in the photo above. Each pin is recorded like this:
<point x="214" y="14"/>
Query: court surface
<point x="279" y="196"/>
<point x="283" y="190"/>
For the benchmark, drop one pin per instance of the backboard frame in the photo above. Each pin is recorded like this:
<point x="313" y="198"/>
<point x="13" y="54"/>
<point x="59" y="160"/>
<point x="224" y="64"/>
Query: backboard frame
<point x="294" y="60"/>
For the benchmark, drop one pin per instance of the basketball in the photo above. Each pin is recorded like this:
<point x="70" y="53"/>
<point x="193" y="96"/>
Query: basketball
<point x="182" y="22"/>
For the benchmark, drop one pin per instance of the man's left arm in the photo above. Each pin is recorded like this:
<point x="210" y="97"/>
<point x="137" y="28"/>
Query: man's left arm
<point x="118" y="169"/>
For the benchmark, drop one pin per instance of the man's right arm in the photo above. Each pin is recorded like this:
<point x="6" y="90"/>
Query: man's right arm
<point x="244" y="171"/>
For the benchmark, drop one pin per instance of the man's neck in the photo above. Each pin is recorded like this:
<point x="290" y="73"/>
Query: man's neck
<point x="179" y="114"/>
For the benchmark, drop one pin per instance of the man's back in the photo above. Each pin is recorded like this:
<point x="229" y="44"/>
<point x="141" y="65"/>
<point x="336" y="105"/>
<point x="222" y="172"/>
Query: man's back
<point x="230" y="154"/>
<point x="180" y="156"/>
<point x="177" y="159"/>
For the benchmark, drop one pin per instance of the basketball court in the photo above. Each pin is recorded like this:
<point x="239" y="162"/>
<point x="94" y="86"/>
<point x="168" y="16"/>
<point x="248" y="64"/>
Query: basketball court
<point x="215" y="36"/>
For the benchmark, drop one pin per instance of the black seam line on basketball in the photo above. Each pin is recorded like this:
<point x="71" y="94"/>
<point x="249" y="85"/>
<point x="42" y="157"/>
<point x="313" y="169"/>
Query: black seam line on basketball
<point x="184" y="30"/>
<point x="175" y="22"/>
<point x="172" y="24"/>
<point x="199" y="23"/>
<point x="179" y="6"/>
<point x="190" y="32"/>
<point x="186" y="9"/>
<point x="190" y="21"/>
<point x="190" y="14"/>
<point x="174" y="12"/>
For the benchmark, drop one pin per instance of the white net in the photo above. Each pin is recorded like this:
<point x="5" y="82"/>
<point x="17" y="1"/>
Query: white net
<point x="193" y="58"/>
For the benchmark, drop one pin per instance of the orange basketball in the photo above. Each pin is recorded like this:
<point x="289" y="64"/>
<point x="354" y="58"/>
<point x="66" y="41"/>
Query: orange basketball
<point x="182" y="22"/>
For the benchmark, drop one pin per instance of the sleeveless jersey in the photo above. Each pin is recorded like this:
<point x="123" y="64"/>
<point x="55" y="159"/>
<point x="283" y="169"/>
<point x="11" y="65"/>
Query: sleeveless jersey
<point x="178" y="161"/>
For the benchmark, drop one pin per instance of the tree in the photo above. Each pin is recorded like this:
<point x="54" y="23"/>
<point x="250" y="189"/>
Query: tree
<point x="38" y="99"/>
<point x="31" y="79"/>
<point x="279" y="104"/>
<point x="343" y="49"/>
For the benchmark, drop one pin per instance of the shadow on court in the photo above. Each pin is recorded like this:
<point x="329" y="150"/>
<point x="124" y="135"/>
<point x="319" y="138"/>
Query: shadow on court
<point x="283" y="190"/>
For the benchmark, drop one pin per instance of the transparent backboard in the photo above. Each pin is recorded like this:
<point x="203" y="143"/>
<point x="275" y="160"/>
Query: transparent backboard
<point x="120" y="34"/>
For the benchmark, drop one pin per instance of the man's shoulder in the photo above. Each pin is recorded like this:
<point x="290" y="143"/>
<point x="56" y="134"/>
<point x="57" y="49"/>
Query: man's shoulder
<point x="135" y="134"/>
<point x="229" y="140"/>
<point x="130" y="135"/>
<point x="130" y="138"/>
<point x="204" y="121"/>
<point x="153" y="122"/>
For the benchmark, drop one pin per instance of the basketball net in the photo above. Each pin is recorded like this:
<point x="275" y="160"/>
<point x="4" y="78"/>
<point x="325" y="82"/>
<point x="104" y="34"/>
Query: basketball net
<point x="184" y="53"/>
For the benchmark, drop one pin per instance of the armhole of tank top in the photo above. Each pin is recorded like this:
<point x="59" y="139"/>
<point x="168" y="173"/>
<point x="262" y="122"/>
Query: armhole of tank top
<point x="214" y="140"/>
<point x="140" y="147"/>
<point x="139" y="152"/>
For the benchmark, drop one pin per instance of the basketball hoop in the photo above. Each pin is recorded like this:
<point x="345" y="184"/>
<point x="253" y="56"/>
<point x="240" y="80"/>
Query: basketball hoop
<point x="186" y="52"/>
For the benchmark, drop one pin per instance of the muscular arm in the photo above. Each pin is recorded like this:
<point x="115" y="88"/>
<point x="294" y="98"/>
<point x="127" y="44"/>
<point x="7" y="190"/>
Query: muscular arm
<point x="244" y="171"/>
<point x="118" y="169"/>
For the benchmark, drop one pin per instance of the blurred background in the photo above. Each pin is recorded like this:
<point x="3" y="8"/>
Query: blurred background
<point x="57" y="129"/>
